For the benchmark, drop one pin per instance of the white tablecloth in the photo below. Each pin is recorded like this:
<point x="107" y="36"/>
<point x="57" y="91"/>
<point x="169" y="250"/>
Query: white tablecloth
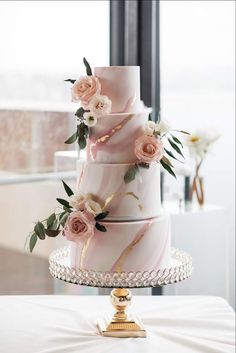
<point x="67" y="324"/>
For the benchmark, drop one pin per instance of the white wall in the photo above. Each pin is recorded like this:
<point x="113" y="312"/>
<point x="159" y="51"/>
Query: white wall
<point x="197" y="80"/>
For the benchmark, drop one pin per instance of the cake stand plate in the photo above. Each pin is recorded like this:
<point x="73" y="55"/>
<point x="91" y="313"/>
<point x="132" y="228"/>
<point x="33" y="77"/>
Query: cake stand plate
<point x="179" y="269"/>
<point x="121" y="324"/>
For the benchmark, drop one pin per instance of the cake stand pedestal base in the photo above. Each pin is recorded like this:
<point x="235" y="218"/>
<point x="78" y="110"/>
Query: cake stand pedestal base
<point x="121" y="325"/>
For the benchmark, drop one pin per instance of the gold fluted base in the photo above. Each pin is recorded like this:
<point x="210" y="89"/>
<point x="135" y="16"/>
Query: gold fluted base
<point x="121" y="325"/>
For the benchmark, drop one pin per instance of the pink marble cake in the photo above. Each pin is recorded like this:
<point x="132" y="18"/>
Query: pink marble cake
<point x="137" y="236"/>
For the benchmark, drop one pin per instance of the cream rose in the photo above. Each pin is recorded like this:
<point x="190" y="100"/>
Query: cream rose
<point x="162" y="127"/>
<point x="84" y="89"/>
<point x="148" y="149"/>
<point x="150" y="128"/>
<point x="100" y="106"/>
<point x="93" y="207"/>
<point x="78" y="201"/>
<point x="79" y="226"/>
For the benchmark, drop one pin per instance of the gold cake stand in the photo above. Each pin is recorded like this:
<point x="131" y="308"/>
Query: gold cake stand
<point x="121" y="324"/>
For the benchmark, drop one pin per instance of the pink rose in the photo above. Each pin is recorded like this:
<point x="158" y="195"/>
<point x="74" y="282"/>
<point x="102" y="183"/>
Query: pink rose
<point x="148" y="149"/>
<point x="79" y="226"/>
<point x="85" y="88"/>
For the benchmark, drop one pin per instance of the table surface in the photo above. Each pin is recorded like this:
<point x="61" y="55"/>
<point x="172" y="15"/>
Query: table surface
<point x="67" y="324"/>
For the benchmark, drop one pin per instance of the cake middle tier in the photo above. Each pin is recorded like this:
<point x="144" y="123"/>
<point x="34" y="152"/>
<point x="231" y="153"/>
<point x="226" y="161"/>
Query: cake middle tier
<point x="112" y="139"/>
<point x="137" y="200"/>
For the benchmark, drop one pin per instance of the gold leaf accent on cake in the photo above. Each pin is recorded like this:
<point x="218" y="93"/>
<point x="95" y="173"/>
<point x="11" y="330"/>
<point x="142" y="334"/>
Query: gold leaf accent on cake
<point x="120" y="262"/>
<point x="140" y="207"/>
<point x="81" y="176"/>
<point x="120" y="194"/>
<point x="84" y="252"/>
<point x="118" y="127"/>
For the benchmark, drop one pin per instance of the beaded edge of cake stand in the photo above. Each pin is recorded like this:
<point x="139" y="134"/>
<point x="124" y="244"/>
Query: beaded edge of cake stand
<point x="59" y="269"/>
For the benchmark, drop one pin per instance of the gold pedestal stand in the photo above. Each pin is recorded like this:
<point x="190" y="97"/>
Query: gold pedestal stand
<point x="121" y="325"/>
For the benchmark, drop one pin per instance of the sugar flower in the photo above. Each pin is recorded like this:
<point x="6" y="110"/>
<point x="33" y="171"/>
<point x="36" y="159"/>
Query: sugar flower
<point x="100" y="106"/>
<point x="77" y="201"/>
<point x="84" y="89"/>
<point x="79" y="226"/>
<point x="148" y="149"/>
<point x="93" y="207"/>
<point x="150" y="128"/>
<point x="89" y="119"/>
<point x="162" y="127"/>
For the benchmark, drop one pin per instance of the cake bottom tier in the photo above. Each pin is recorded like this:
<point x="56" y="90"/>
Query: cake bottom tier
<point x="126" y="246"/>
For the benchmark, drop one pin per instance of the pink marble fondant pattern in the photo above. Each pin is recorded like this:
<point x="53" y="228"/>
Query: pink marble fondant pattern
<point x="127" y="246"/>
<point x="112" y="139"/>
<point x="122" y="85"/>
<point x="124" y="256"/>
<point x="104" y="180"/>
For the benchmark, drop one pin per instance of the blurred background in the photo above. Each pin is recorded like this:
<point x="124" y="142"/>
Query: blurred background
<point x="186" y="50"/>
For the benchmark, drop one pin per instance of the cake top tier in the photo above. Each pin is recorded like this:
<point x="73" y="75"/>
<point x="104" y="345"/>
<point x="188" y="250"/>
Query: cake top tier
<point x="121" y="84"/>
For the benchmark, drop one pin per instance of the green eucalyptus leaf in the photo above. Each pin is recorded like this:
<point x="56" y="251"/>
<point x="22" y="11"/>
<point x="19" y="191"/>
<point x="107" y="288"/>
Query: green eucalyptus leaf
<point x="70" y="80"/>
<point x="61" y="215"/>
<point x="72" y="138"/>
<point x="39" y="230"/>
<point x="64" y="219"/>
<point x="80" y="112"/>
<point x="100" y="227"/>
<point x="130" y="174"/>
<point x="55" y="225"/>
<point x="82" y="142"/>
<point x="177" y="140"/>
<point x="172" y="155"/>
<point x="144" y="165"/>
<point x="51" y="220"/>
<point x="167" y="168"/>
<point x="88" y="68"/>
<point x="33" y="241"/>
<point x="184" y="132"/>
<point x="176" y="147"/>
<point x="67" y="188"/>
<point x="167" y="161"/>
<point x="63" y="202"/>
<point x="82" y="130"/>
<point x="52" y="232"/>
<point x="101" y="215"/>
<point x="67" y="209"/>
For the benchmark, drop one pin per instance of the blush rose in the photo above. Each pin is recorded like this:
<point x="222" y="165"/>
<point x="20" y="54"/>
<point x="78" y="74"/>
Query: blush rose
<point x="79" y="226"/>
<point x="84" y="89"/>
<point x="148" y="149"/>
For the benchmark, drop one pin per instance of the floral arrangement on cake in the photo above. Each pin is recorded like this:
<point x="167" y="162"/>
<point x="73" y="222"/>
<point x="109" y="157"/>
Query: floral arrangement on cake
<point x="86" y="91"/>
<point x="76" y="219"/>
<point x="199" y="144"/>
<point x="152" y="147"/>
<point x="79" y="216"/>
<point x="149" y="147"/>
